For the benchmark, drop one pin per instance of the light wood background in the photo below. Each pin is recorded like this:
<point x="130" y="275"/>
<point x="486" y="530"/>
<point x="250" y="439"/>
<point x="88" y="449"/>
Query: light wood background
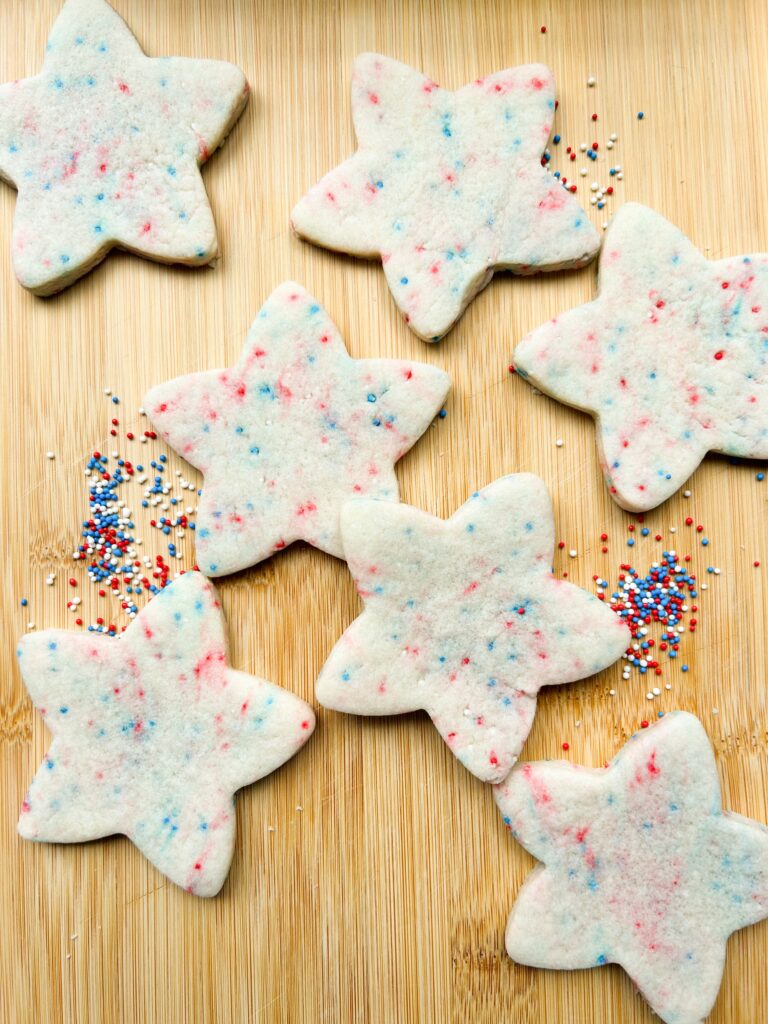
<point x="385" y="898"/>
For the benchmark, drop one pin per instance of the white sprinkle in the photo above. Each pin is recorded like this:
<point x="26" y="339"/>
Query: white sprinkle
<point x="668" y="686"/>
<point x="605" y="225"/>
<point x="107" y="391"/>
<point x="614" y="136"/>
<point x="686" y="494"/>
<point x="609" y="145"/>
<point x="594" y="186"/>
<point x="573" y="552"/>
<point x="299" y="807"/>
<point x="649" y="696"/>
<point x="583" y="147"/>
<point x="591" y="81"/>
<point x="50" y="455"/>
<point x="559" y="442"/>
<point x="620" y="176"/>
<point x="656" y="691"/>
<point x="612" y="693"/>
<point x="73" y="936"/>
<point x="593" y="201"/>
<point x="717" y="572"/>
<point x="583" y="172"/>
<point x="673" y="529"/>
<point x="30" y="625"/>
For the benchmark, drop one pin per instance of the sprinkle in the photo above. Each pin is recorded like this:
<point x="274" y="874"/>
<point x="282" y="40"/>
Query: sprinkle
<point x="50" y="455"/>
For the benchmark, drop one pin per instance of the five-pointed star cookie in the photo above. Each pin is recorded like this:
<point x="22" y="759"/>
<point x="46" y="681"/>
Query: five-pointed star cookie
<point x="104" y="147"/>
<point x="641" y="867"/>
<point x="291" y="432"/>
<point x="671" y="358"/>
<point x="153" y="733"/>
<point x="446" y="187"/>
<point x="464" y="619"/>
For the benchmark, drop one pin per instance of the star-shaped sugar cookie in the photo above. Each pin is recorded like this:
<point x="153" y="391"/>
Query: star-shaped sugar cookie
<point x="153" y="733"/>
<point x="447" y="187"/>
<point x="291" y="432"/>
<point x="464" y="619"/>
<point x="671" y="358"/>
<point x="641" y="867"/>
<point x="104" y="146"/>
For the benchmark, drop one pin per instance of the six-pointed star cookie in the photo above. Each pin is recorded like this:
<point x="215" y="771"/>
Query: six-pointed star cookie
<point x="464" y="619"/>
<point x="104" y="147"/>
<point x="291" y="432"/>
<point x="446" y="187"/>
<point x="671" y="358"/>
<point x="153" y="733"/>
<point x="641" y="867"/>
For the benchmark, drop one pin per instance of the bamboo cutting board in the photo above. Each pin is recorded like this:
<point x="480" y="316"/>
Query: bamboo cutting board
<point x="384" y="898"/>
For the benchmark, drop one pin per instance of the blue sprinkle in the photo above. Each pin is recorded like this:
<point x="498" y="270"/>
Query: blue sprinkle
<point x="640" y="115"/>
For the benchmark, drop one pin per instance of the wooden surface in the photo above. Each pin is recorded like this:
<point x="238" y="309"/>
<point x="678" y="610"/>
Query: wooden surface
<point x="385" y="898"/>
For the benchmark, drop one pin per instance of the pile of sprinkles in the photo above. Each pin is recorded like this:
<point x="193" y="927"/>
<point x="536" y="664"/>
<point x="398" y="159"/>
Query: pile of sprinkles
<point x="108" y="545"/>
<point x="662" y="599"/>
<point x="659" y="605"/>
<point x="600" y="192"/>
